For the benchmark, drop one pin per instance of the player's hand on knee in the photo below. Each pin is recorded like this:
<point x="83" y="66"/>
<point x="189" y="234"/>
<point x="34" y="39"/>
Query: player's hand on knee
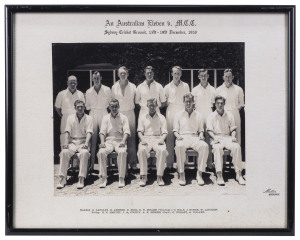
<point x="84" y="146"/>
<point x="179" y="138"/>
<point x="102" y="145"/>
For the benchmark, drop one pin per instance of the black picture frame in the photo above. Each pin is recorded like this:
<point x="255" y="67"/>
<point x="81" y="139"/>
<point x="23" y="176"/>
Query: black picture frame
<point x="11" y="10"/>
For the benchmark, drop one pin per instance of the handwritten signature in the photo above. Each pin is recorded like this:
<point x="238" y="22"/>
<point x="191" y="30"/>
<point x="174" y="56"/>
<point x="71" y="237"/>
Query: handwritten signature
<point x="271" y="192"/>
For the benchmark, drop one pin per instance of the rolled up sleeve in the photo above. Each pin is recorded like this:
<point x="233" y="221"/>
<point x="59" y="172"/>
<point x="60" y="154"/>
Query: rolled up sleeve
<point x="163" y="123"/>
<point x="176" y="123"/>
<point x="69" y="124"/>
<point x="201" y="124"/>
<point x="241" y="98"/>
<point x="58" y="101"/>
<point x="89" y="127"/>
<point x="209" y="123"/>
<point x="232" y="125"/>
<point x="126" y="129"/>
<point x="141" y="127"/>
<point x="103" y="129"/>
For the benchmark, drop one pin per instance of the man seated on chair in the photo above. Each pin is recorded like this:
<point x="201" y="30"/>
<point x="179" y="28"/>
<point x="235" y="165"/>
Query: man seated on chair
<point x="152" y="131"/>
<point x="189" y="133"/>
<point x="113" y="135"/>
<point x="222" y="130"/>
<point x="78" y="132"/>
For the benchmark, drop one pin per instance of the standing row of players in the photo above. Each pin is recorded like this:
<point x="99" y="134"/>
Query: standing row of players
<point x="98" y="98"/>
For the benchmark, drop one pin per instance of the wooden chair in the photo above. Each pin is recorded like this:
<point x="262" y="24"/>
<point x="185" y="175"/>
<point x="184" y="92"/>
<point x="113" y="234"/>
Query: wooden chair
<point x="152" y="160"/>
<point x="74" y="165"/>
<point x="191" y="158"/>
<point x="227" y="161"/>
<point x="192" y="155"/>
<point x="112" y="163"/>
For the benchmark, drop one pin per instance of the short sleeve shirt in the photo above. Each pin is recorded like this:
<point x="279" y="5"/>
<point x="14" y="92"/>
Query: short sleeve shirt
<point x="152" y="126"/>
<point x="65" y="101"/>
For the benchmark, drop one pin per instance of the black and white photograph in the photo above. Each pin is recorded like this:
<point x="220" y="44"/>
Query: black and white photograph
<point x="155" y="100"/>
<point x="150" y="120"/>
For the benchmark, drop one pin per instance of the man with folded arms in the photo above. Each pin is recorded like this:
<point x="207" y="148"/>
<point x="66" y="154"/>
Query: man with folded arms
<point x="113" y="135"/>
<point x="79" y="129"/>
<point x="152" y="131"/>
<point x="222" y="130"/>
<point x="189" y="133"/>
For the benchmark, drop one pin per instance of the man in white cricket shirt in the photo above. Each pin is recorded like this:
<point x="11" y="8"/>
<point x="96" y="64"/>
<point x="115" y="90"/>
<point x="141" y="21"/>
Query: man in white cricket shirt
<point x="113" y="135"/>
<point x="97" y="100"/>
<point x="174" y="91"/>
<point x="222" y="130"/>
<point x="152" y="131"/>
<point x="78" y="132"/>
<point x="189" y="133"/>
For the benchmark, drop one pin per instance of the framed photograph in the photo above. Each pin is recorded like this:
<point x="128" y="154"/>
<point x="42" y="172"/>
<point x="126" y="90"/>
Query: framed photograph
<point x="150" y="120"/>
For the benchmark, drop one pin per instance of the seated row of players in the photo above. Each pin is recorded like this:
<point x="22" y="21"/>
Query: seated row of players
<point x="98" y="96"/>
<point x="152" y="131"/>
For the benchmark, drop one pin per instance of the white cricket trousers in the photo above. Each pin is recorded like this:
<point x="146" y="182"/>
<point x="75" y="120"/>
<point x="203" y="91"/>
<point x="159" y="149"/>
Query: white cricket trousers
<point x="66" y="154"/>
<point x="111" y="145"/>
<point x="191" y="141"/>
<point x="236" y="154"/>
<point x="161" y="154"/>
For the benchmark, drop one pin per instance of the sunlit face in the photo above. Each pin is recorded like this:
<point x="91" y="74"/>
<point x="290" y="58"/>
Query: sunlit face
<point x="188" y="103"/>
<point x="114" y="108"/>
<point x="152" y="107"/>
<point x="97" y="79"/>
<point x="176" y="73"/>
<point x="203" y="77"/>
<point x="72" y="84"/>
<point x="122" y="74"/>
<point x="149" y="74"/>
<point x="80" y="108"/>
<point x="220" y="104"/>
<point x="228" y="77"/>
